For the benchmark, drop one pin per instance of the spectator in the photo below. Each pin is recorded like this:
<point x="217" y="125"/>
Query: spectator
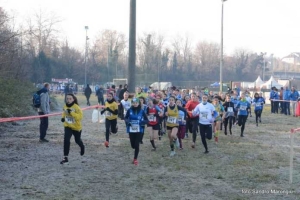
<point x="87" y="93"/>
<point x="294" y="97"/>
<point x="100" y="95"/>
<point x="44" y="109"/>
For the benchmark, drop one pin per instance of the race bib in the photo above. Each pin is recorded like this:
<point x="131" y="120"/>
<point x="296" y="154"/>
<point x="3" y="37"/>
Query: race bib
<point x="230" y="109"/>
<point x="152" y="118"/>
<point x="172" y="120"/>
<point x="69" y="120"/>
<point x="134" y="128"/>
<point x="203" y="115"/>
<point x="258" y="104"/>
<point x="243" y="107"/>
<point x="108" y="114"/>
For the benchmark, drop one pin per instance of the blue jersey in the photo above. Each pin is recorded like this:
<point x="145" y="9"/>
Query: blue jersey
<point x="235" y="103"/>
<point x="243" y="107"/>
<point x="258" y="103"/>
<point x="181" y="117"/>
<point x="136" y="121"/>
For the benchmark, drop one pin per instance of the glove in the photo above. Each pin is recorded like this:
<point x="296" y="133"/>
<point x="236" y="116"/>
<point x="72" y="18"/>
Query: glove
<point x="103" y="111"/>
<point x="62" y="119"/>
<point x="69" y="110"/>
<point x="128" y="124"/>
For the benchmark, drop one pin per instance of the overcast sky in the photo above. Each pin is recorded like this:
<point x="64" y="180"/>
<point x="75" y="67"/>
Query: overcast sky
<point x="270" y="26"/>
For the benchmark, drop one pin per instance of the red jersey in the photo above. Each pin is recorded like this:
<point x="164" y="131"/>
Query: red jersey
<point x="191" y="105"/>
<point x="152" y="116"/>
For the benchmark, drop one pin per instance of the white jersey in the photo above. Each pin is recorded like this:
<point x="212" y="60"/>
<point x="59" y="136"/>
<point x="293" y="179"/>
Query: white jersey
<point x="249" y="99"/>
<point x="126" y="105"/>
<point x="205" y="113"/>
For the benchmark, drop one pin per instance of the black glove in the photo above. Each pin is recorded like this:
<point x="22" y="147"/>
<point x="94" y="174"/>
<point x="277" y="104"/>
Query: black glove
<point x="108" y="109"/>
<point x="103" y="111"/>
<point x="62" y="119"/>
<point x="69" y="110"/>
<point x="128" y="124"/>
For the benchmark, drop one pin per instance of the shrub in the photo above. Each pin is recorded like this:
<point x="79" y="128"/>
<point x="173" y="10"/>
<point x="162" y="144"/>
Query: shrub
<point x="16" y="98"/>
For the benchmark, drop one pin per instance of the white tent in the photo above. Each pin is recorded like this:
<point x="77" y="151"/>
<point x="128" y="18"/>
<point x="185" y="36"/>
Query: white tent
<point x="258" y="82"/>
<point x="271" y="83"/>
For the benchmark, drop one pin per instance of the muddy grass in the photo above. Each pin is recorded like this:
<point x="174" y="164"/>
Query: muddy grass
<point x="253" y="167"/>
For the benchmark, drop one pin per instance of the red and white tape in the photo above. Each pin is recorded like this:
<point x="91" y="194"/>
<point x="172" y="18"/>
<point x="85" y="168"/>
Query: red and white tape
<point x="294" y="130"/>
<point x="12" y="119"/>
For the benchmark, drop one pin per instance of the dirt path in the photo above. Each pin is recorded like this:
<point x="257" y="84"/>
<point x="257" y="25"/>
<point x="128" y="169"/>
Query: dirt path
<point x="236" y="168"/>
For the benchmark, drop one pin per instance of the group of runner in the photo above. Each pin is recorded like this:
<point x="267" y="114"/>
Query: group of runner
<point x="174" y="113"/>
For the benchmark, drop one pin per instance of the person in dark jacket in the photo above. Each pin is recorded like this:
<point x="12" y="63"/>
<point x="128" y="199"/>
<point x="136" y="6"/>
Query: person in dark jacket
<point x="99" y="94"/>
<point x="87" y="93"/>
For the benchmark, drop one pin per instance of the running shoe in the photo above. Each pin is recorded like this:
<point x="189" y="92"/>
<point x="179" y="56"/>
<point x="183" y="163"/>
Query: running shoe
<point x="106" y="143"/>
<point x="135" y="162"/>
<point x="82" y="150"/>
<point x="159" y="137"/>
<point x="206" y="151"/>
<point x="193" y="145"/>
<point x="65" y="161"/>
<point x="186" y="135"/>
<point x="172" y="153"/>
<point x="256" y="124"/>
<point x="153" y="149"/>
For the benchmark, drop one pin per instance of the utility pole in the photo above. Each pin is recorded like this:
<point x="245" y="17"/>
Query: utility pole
<point x="132" y="46"/>
<point x="86" y="54"/>
<point x="221" y="56"/>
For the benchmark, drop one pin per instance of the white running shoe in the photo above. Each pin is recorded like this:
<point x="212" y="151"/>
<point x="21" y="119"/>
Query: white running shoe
<point x="172" y="153"/>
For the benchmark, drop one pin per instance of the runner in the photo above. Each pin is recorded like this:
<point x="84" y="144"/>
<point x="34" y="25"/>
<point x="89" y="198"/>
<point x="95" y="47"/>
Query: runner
<point x="243" y="106"/>
<point x="135" y="119"/>
<point x="172" y="114"/>
<point x="71" y="117"/>
<point x="249" y="99"/>
<point x="144" y="108"/>
<point x="192" y="121"/>
<point x="219" y="109"/>
<point x="125" y="104"/>
<point x="154" y="113"/>
<point x="111" y="115"/>
<point x="258" y="105"/>
<point x="228" y="116"/>
<point x="162" y="121"/>
<point x="235" y="101"/>
<point x="182" y="124"/>
<point x="206" y="110"/>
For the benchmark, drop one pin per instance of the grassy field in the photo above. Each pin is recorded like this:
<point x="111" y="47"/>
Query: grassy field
<point x="253" y="167"/>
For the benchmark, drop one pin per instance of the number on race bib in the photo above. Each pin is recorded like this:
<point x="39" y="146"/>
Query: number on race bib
<point x="243" y="107"/>
<point x="107" y="114"/>
<point x="230" y="109"/>
<point x="203" y="115"/>
<point x="134" y="128"/>
<point x="172" y="120"/>
<point x="69" y="120"/>
<point x="152" y="118"/>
